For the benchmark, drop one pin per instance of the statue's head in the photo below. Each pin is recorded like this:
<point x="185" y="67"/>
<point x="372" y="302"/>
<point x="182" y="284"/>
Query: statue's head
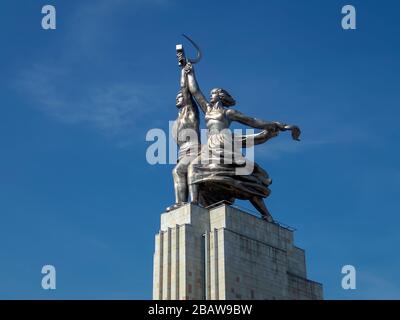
<point x="223" y="96"/>
<point x="179" y="100"/>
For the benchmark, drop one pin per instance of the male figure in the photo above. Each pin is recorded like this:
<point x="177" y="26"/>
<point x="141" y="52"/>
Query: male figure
<point x="187" y="135"/>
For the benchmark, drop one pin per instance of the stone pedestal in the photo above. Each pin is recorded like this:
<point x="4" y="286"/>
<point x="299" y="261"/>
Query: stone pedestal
<point x="227" y="253"/>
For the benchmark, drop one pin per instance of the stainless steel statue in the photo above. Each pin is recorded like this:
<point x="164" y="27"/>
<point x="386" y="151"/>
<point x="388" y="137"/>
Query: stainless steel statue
<point x="186" y="133"/>
<point x="210" y="174"/>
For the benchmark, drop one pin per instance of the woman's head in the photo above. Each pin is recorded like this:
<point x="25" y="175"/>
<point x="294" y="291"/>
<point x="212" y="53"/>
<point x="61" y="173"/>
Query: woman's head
<point x="219" y="94"/>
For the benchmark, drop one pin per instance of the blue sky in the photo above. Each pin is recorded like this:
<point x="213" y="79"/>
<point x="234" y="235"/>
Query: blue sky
<point x="76" y="103"/>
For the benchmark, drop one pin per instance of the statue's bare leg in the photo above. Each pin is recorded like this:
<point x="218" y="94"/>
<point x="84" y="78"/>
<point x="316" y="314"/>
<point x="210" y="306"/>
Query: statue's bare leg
<point x="193" y="188"/>
<point x="180" y="185"/>
<point x="194" y="193"/>
<point x="259" y="204"/>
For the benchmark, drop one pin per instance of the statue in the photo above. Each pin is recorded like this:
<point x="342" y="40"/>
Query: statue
<point x="187" y="135"/>
<point x="217" y="179"/>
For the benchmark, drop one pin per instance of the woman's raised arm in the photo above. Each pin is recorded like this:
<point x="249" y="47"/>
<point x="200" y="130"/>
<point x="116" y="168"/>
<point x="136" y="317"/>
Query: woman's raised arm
<point x="194" y="87"/>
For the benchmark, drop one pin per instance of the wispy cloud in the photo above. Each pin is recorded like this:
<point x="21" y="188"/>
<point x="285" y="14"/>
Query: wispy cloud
<point x="319" y="136"/>
<point x="63" y="89"/>
<point x="113" y="109"/>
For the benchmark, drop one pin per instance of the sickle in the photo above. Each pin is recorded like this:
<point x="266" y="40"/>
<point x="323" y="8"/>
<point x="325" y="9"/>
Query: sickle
<point x="198" y="57"/>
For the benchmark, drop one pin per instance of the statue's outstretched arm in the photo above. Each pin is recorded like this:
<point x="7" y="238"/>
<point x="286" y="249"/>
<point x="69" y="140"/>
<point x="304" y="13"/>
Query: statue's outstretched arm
<point x="194" y="88"/>
<point x="235" y="115"/>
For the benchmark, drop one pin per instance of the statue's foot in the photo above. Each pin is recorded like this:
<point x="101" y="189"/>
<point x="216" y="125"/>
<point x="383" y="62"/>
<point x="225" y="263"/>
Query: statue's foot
<point x="268" y="218"/>
<point x="175" y="206"/>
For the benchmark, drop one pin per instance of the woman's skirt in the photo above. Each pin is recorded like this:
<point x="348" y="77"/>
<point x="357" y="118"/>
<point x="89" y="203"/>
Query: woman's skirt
<point x="224" y="174"/>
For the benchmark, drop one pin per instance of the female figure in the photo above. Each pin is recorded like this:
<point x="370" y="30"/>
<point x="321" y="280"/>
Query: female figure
<point x="217" y="178"/>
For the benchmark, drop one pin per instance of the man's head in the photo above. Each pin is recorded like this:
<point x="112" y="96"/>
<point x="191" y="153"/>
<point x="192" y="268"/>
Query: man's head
<point x="179" y="100"/>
